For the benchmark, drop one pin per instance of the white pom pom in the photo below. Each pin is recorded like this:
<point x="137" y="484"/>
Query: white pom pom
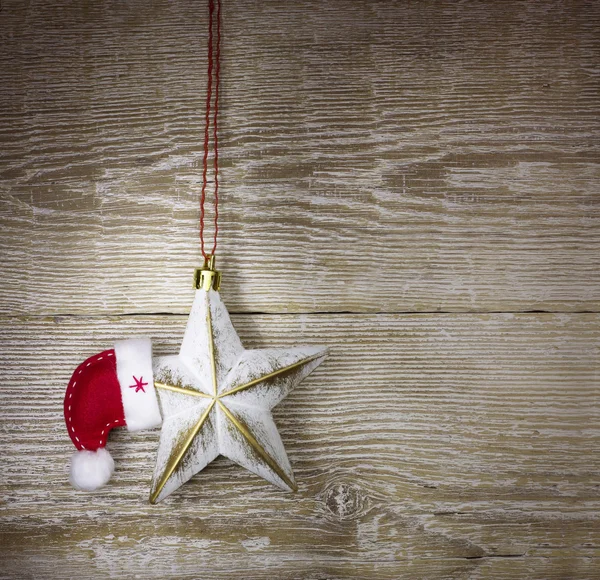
<point x="91" y="469"/>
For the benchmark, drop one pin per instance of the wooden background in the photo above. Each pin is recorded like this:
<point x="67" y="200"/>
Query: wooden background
<point x="414" y="184"/>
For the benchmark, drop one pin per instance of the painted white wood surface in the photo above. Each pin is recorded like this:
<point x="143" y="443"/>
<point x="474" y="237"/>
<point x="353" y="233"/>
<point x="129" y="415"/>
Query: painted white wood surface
<point x="457" y="446"/>
<point x="441" y="156"/>
<point x="401" y="181"/>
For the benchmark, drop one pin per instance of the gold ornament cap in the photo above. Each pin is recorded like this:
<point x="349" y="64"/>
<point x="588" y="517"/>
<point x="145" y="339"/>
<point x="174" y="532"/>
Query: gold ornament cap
<point x="207" y="277"/>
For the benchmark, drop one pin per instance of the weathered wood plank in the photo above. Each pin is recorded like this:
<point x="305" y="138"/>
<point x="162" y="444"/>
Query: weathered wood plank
<point x="459" y="446"/>
<point x="377" y="156"/>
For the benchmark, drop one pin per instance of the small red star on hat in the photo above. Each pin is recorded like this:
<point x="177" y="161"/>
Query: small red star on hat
<point x="139" y="384"/>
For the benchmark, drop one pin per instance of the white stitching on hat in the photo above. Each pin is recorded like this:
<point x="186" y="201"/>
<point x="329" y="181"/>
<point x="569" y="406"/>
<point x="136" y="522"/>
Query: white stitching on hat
<point x="70" y="391"/>
<point x="107" y="426"/>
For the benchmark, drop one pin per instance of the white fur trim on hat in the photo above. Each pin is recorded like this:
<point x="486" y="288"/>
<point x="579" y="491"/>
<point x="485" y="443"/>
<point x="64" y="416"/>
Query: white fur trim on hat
<point x="134" y="372"/>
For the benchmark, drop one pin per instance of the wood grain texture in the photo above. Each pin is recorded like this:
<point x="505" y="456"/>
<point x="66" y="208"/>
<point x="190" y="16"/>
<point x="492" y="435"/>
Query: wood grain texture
<point x="439" y="156"/>
<point x="401" y="181"/>
<point x="455" y="446"/>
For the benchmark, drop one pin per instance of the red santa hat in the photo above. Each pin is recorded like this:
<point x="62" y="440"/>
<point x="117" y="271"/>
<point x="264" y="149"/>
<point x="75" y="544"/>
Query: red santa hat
<point x="114" y="388"/>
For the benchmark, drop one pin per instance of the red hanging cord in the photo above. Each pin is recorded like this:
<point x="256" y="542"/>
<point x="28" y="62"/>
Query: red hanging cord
<point x="207" y="119"/>
<point x="215" y="123"/>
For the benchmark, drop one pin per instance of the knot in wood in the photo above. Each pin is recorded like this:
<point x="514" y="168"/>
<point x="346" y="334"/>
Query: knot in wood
<point x="344" y="501"/>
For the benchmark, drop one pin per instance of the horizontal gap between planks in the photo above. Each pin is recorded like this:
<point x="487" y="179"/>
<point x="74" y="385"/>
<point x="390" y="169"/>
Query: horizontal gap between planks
<point x="313" y="313"/>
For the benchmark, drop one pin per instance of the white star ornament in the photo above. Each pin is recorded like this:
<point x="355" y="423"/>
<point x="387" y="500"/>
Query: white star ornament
<point x="216" y="397"/>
